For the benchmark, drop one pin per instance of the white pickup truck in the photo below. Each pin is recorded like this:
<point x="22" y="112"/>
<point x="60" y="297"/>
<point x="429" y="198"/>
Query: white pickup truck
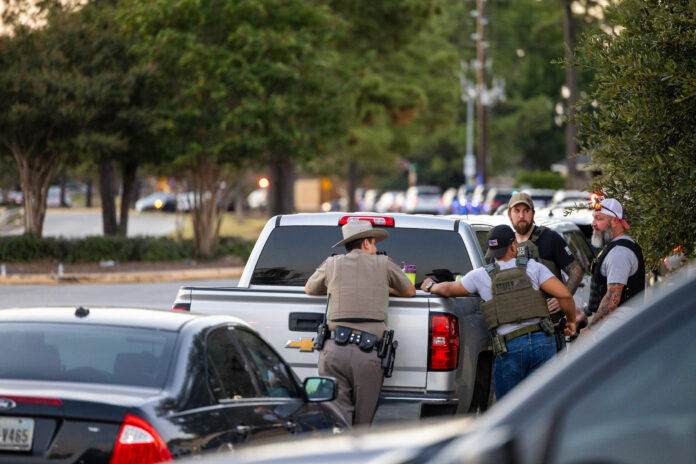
<point x="443" y="362"/>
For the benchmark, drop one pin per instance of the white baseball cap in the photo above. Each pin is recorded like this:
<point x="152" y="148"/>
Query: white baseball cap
<point x="612" y="207"/>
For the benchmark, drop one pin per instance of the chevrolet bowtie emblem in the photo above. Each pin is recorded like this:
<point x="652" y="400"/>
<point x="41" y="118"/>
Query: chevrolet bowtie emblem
<point x="304" y="344"/>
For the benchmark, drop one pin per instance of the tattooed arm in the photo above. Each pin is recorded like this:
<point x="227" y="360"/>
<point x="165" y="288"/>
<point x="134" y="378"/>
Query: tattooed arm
<point x="575" y="274"/>
<point x="609" y="303"/>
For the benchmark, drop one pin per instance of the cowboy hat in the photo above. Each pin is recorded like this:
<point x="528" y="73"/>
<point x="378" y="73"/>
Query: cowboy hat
<point x="355" y="230"/>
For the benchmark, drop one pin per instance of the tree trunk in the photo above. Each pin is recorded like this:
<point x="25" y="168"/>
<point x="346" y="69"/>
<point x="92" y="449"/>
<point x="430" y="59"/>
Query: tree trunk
<point x="88" y="194"/>
<point x="208" y="208"/>
<point x="106" y="191"/>
<point x="63" y="202"/>
<point x="129" y="171"/>
<point x="353" y="180"/>
<point x="282" y="188"/>
<point x="571" y="131"/>
<point x="35" y="176"/>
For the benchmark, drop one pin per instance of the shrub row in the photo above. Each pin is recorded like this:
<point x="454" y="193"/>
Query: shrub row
<point x="28" y="247"/>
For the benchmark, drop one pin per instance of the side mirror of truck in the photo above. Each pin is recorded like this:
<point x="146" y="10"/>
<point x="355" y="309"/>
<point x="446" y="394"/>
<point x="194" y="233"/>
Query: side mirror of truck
<point x="319" y="389"/>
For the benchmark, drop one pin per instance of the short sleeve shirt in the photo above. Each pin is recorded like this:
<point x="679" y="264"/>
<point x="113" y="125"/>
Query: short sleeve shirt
<point x="478" y="281"/>
<point x="620" y="263"/>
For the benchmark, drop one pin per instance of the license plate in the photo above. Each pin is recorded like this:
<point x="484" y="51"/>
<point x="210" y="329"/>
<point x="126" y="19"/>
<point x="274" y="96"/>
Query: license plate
<point x="16" y="433"/>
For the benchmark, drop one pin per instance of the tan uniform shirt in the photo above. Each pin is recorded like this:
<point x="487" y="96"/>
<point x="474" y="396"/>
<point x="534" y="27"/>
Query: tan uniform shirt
<point x="359" y="287"/>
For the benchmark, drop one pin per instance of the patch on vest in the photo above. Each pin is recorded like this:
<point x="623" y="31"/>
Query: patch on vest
<point x="510" y="285"/>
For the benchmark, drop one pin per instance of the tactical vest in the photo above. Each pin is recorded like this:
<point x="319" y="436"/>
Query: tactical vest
<point x="636" y="281"/>
<point x="514" y="298"/>
<point x="530" y="250"/>
<point x="359" y="287"/>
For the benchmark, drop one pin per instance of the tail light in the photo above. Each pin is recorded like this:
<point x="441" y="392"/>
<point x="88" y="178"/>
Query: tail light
<point x="181" y="306"/>
<point x="444" y="342"/>
<point x="139" y="443"/>
<point x="374" y="220"/>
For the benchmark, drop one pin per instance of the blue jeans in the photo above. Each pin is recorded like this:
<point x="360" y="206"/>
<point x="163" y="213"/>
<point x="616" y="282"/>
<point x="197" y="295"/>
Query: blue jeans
<point x="525" y="354"/>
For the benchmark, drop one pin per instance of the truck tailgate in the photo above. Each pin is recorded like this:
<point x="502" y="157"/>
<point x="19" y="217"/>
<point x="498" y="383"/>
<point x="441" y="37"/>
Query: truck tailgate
<point x="287" y="319"/>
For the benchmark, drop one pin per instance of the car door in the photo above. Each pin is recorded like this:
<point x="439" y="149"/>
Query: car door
<point x="236" y="386"/>
<point x="281" y="391"/>
<point x="638" y="409"/>
<point x="583" y="255"/>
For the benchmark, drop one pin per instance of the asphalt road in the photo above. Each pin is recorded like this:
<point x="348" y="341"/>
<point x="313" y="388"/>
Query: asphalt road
<point x="83" y="222"/>
<point x="139" y="295"/>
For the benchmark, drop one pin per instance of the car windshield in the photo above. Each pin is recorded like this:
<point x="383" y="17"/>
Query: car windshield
<point x="85" y="353"/>
<point x="292" y="253"/>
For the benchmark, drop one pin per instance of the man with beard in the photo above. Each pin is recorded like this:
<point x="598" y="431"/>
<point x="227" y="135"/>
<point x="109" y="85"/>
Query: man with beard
<point x="618" y="272"/>
<point x="548" y="248"/>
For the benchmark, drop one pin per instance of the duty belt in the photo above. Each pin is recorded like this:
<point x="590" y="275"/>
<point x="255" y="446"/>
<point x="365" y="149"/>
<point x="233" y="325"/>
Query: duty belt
<point x="499" y="342"/>
<point x="523" y="331"/>
<point x="344" y="335"/>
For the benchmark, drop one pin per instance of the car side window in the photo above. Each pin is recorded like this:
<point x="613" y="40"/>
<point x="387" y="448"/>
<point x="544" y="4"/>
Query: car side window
<point x="275" y="375"/>
<point x="228" y="375"/>
<point x="582" y="252"/>
<point x="641" y="412"/>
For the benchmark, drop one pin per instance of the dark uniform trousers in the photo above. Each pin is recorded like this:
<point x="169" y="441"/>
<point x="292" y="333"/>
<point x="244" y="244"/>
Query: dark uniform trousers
<point x="359" y="376"/>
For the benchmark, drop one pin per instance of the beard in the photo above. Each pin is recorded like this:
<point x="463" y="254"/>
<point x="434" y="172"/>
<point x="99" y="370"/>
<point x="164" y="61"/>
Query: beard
<point x="522" y="227"/>
<point x="600" y="239"/>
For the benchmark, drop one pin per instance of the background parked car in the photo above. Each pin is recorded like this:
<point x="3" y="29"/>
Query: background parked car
<point x="388" y="202"/>
<point x="422" y="199"/>
<point x="449" y="204"/>
<point x="576" y="196"/>
<point x="53" y="197"/>
<point x="132" y="385"/>
<point x="158" y="201"/>
<point x="496" y="197"/>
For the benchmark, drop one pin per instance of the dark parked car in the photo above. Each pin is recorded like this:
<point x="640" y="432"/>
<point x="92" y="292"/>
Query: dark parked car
<point x="625" y="394"/>
<point x="158" y="201"/>
<point x="112" y="385"/>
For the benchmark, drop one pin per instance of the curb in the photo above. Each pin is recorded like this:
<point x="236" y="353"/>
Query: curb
<point x="122" y="277"/>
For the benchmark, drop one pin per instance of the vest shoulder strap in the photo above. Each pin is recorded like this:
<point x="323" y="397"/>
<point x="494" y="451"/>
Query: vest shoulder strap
<point x="492" y="269"/>
<point x="538" y="231"/>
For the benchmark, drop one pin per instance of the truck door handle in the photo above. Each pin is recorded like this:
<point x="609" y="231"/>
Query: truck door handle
<point x="305" y="322"/>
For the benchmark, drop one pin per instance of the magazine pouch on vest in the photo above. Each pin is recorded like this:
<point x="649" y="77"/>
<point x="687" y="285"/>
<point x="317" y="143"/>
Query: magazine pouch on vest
<point x="514" y="298"/>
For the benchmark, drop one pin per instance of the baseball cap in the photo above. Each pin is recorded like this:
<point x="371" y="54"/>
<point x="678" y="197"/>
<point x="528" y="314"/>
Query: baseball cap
<point x="612" y="207"/>
<point x="499" y="240"/>
<point x="521" y="197"/>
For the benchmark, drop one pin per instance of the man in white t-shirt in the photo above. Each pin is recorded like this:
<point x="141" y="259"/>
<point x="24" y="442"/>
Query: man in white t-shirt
<point x="528" y="341"/>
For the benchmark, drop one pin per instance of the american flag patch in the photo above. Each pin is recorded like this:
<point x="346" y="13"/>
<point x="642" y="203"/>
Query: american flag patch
<point x="493" y="243"/>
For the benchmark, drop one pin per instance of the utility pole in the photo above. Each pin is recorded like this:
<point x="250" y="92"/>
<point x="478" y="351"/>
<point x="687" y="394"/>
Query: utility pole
<point x="481" y="88"/>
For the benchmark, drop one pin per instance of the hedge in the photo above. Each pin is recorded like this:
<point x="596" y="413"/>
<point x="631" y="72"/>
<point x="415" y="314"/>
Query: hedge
<point x="23" y="248"/>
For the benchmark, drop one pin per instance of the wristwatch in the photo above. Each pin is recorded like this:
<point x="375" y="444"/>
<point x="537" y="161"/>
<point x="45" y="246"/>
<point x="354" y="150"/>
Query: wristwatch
<point x="429" y="286"/>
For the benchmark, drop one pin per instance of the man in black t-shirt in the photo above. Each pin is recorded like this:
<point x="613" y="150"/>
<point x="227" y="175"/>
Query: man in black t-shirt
<point x="547" y="247"/>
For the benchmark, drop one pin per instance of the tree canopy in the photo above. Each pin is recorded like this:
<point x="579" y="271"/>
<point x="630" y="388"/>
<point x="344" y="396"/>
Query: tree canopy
<point x="638" y="123"/>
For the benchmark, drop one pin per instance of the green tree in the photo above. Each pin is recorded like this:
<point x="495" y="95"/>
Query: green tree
<point x="245" y="82"/>
<point x="39" y="116"/>
<point x="119" y="97"/>
<point x="638" y="124"/>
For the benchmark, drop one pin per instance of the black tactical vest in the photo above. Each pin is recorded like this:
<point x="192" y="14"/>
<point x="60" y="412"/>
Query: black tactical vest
<point x="514" y="298"/>
<point x="635" y="284"/>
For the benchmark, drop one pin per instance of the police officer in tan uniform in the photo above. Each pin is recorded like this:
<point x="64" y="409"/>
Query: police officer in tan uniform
<point x="358" y="284"/>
